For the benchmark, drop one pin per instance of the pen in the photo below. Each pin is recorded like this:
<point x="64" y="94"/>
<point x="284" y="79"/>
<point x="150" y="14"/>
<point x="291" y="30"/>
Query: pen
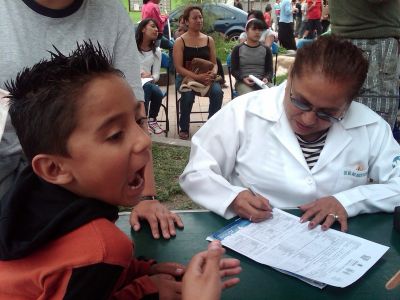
<point x="249" y="187"/>
<point x="246" y="185"/>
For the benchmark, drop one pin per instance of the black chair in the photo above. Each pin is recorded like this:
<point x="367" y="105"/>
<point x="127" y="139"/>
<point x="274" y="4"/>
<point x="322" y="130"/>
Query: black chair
<point x="234" y="93"/>
<point x="177" y="103"/>
<point x="164" y="104"/>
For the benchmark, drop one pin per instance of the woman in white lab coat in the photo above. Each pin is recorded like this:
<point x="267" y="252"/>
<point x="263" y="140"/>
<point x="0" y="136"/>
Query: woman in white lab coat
<point x="302" y="144"/>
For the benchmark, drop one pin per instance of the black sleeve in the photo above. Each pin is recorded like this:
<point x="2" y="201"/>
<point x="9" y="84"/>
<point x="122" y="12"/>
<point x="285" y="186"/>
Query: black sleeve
<point x="93" y="282"/>
<point x="235" y="63"/>
<point x="268" y="64"/>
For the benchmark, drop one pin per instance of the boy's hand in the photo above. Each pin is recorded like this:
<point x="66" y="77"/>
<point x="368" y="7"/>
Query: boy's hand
<point x="158" y="216"/>
<point x="169" y="268"/>
<point x="168" y="287"/>
<point x="248" y="81"/>
<point x="202" y="278"/>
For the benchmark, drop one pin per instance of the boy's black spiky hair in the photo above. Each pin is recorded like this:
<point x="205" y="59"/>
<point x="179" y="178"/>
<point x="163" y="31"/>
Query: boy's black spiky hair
<point x="43" y="97"/>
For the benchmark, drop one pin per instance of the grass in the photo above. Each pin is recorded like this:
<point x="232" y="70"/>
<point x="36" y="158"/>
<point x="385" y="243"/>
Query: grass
<point x="169" y="163"/>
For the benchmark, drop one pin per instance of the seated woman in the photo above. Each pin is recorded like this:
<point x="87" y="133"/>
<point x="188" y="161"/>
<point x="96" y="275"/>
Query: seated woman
<point x="150" y="62"/>
<point x="251" y="58"/>
<point x="304" y="144"/>
<point x="267" y="37"/>
<point x="195" y="44"/>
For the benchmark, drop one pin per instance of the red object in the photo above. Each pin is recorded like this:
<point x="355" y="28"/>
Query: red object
<point x="267" y="18"/>
<point x="314" y="13"/>
<point x="152" y="10"/>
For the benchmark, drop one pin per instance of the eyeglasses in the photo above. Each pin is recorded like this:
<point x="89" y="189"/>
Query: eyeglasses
<point x="308" y="107"/>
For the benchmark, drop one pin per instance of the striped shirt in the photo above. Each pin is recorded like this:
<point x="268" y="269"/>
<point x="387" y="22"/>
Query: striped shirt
<point x="312" y="150"/>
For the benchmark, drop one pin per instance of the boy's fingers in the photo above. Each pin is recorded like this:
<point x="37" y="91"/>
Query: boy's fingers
<point x="163" y="221"/>
<point x="227" y="263"/>
<point x="153" y="222"/>
<point x="197" y="262"/>
<point x="134" y="220"/>
<point x="177" y="220"/>
<point x="214" y="254"/>
<point x="230" y="282"/>
<point x="171" y="226"/>
<point x="230" y="271"/>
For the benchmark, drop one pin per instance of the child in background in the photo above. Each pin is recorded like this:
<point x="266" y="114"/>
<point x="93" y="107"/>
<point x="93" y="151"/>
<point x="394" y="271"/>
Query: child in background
<point x="150" y="62"/>
<point x="76" y="118"/>
<point x="251" y="58"/>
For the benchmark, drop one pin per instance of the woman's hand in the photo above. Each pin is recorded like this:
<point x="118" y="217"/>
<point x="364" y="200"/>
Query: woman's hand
<point x="254" y="208"/>
<point x="204" y="78"/>
<point x="327" y="210"/>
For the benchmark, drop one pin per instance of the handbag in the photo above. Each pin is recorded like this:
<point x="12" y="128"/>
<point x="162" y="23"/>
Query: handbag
<point x="197" y="66"/>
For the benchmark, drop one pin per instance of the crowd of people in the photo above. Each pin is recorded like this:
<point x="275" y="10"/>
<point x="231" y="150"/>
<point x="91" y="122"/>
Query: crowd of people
<point x="79" y="97"/>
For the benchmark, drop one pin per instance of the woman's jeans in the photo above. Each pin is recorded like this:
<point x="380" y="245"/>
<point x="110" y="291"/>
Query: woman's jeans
<point x="152" y="96"/>
<point x="187" y="99"/>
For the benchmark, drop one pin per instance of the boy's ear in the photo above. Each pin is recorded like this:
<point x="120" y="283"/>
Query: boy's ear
<point x="50" y="168"/>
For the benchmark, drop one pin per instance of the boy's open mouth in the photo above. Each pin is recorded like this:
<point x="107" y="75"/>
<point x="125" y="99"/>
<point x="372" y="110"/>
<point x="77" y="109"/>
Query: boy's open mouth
<point x="137" y="180"/>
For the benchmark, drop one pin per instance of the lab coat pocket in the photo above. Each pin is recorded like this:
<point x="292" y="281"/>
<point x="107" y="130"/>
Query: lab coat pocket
<point x="350" y="177"/>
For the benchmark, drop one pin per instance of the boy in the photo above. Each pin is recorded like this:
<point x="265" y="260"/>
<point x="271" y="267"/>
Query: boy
<point x="251" y="58"/>
<point x="75" y="118"/>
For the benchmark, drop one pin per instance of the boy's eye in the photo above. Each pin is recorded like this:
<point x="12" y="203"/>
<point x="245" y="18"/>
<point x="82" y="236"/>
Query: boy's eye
<point x="115" y="137"/>
<point x="140" y="121"/>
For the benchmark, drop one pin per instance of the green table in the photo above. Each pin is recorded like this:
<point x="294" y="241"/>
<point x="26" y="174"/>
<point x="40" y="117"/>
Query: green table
<point x="262" y="282"/>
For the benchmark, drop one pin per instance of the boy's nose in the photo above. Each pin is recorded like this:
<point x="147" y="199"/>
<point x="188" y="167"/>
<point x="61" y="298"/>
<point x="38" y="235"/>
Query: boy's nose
<point x="142" y="142"/>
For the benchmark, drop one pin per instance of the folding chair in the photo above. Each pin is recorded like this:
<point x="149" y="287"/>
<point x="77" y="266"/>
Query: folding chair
<point x="234" y="93"/>
<point x="275" y="51"/>
<point x="177" y="103"/>
<point x="164" y="105"/>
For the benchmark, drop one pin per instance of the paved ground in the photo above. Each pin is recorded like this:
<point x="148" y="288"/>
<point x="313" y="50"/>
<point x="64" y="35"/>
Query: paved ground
<point x="201" y="104"/>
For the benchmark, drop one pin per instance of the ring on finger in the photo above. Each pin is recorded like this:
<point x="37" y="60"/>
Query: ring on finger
<point x="250" y="218"/>
<point x="334" y="216"/>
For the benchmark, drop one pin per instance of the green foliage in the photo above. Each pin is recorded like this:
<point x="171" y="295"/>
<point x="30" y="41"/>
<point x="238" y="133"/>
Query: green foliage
<point x="282" y="50"/>
<point x="281" y="78"/>
<point x="222" y="46"/>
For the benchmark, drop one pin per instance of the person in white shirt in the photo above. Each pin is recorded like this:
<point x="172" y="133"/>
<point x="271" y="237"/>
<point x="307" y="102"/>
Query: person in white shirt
<point x="302" y="144"/>
<point x="150" y="63"/>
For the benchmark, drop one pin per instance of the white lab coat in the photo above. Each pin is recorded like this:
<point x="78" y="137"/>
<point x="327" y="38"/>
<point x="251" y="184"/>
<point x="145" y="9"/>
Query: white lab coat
<point x="251" y="136"/>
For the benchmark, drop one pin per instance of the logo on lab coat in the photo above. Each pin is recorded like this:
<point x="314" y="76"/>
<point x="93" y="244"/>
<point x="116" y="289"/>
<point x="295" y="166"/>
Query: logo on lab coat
<point x="396" y="161"/>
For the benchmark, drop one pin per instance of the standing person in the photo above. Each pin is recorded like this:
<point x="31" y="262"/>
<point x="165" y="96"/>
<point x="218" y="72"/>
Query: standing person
<point x="195" y="44"/>
<point x="325" y="18"/>
<point x="314" y="13"/>
<point x="267" y="15"/>
<point x="304" y="143"/>
<point x="251" y="58"/>
<point x="298" y="18"/>
<point x="373" y="26"/>
<point x="304" y="19"/>
<point x="151" y="9"/>
<point x="238" y="4"/>
<point x="285" y="32"/>
<point x="277" y="9"/>
<point x="150" y="63"/>
<point x="33" y="27"/>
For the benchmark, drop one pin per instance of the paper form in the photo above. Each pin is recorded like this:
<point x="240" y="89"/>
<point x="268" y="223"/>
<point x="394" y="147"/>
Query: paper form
<point x="331" y="257"/>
